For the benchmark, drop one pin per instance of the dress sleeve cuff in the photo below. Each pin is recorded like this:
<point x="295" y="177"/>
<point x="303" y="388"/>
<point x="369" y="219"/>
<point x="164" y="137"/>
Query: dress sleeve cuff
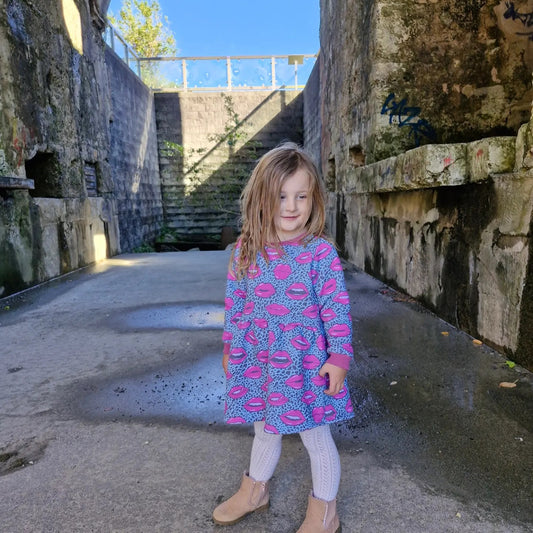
<point x="340" y="360"/>
<point x="226" y="348"/>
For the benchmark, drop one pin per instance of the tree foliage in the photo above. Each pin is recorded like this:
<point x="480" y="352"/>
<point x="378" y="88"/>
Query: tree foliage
<point x="144" y="27"/>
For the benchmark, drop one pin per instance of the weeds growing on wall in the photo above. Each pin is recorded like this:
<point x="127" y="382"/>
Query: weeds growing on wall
<point x="212" y="186"/>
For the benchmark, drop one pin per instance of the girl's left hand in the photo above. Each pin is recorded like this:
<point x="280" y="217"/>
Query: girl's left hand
<point x="336" y="376"/>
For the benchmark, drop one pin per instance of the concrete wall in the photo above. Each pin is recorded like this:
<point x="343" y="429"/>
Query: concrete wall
<point x="208" y="145"/>
<point x="448" y="222"/>
<point x="78" y="154"/>
<point x="133" y="156"/>
<point x="53" y="137"/>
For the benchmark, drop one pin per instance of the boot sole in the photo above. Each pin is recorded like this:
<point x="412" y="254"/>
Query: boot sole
<point x="231" y="522"/>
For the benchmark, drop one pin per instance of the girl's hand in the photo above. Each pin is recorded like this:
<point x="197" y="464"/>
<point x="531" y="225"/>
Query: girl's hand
<point x="336" y="376"/>
<point x="225" y="359"/>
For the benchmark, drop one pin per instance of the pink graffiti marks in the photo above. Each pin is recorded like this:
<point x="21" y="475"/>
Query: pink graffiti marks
<point x="408" y="116"/>
<point x="525" y="18"/>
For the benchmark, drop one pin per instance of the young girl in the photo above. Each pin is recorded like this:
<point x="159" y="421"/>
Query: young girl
<point x="287" y="335"/>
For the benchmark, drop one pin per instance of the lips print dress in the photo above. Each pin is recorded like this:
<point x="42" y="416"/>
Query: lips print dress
<point x="282" y="323"/>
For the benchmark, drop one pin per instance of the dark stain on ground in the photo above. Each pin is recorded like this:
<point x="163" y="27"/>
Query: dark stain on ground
<point x="442" y="419"/>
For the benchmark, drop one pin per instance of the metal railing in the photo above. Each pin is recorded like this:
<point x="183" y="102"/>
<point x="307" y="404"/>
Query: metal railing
<point x="217" y="73"/>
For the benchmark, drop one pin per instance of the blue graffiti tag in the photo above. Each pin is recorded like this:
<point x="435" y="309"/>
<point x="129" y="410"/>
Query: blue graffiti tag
<point x="525" y="18"/>
<point x="406" y="117"/>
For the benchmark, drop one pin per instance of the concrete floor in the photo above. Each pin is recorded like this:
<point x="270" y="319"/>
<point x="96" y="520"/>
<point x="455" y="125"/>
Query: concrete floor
<point x="111" y="397"/>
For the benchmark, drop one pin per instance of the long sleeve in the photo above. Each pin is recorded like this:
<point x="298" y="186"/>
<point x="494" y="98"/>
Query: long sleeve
<point x="233" y="304"/>
<point x="334" y="305"/>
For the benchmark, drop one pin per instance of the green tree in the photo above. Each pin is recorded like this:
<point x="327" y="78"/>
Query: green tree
<point x="146" y="30"/>
<point x="144" y="27"/>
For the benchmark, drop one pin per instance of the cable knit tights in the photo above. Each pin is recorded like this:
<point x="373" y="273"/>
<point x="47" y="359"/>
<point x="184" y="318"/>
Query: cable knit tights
<point x="325" y="462"/>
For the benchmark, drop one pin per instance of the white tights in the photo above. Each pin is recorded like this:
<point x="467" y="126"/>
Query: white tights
<point x="325" y="462"/>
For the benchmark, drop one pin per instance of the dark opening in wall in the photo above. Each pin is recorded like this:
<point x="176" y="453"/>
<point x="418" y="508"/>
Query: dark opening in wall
<point x="357" y="157"/>
<point x="44" y="169"/>
<point x="331" y="175"/>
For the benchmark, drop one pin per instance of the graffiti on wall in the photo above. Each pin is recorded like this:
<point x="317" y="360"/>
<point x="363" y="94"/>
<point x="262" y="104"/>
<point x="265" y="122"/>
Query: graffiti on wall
<point x="525" y="18"/>
<point x="407" y="116"/>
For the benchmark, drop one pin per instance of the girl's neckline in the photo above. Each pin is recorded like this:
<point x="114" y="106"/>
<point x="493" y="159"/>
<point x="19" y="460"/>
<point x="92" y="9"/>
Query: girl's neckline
<point x="295" y="241"/>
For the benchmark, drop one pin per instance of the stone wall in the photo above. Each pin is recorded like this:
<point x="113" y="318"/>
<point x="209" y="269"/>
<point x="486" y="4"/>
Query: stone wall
<point x="56" y="210"/>
<point x="133" y="156"/>
<point x="208" y="145"/>
<point x="448" y="222"/>
<point x="77" y="147"/>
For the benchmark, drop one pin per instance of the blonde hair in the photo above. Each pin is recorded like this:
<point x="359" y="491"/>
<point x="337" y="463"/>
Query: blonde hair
<point x="260" y="201"/>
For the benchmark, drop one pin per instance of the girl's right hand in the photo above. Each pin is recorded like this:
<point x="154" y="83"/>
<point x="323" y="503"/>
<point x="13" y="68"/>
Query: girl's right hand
<point x="225" y="359"/>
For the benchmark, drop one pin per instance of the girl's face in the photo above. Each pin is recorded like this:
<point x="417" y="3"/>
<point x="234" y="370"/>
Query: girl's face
<point x="295" y="205"/>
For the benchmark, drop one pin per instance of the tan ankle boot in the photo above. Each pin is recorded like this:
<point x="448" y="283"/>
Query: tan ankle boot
<point x="321" y="517"/>
<point x="252" y="496"/>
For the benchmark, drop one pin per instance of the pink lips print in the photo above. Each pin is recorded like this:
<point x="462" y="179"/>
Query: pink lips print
<point x="236" y="420"/>
<point x="255" y="404"/>
<point x="349" y="406"/>
<point x="310" y="361"/>
<point x="260" y="323"/>
<point x="319" y="381"/>
<point x="228" y="304"/>
<point x="243" y="325"/>
<point x="254" y="372"/>
<point x="235" y="318"/>
<point x="313" y="276"/>
<point x="322" y="251"/>
<point x="341" y="394"/>
<point x="348" y="347"/>
<point x="290" y="326"/>
<point x="336" y="265"/>
<point x="342" y="298"/>
<point x="277" y="309"/>
<point x="240" y="293"/>
<point x="282" y="271"/>
<point x="327" y="314"/>
<point x="254" y="271"/>
<point x="303" y="258"/>
<point x="262" y="356"/>
<point x="311" y="311"/>
<point x="295" y="382"/>
<point x="297" y="291"/>
<point x="265" y="290"/>
<point x="321" y="342"/>
<point x="318" y="414"/>
<point x="300" y="343"/>
<point x="329" y="413"/>
<point x="227" y="336"/>
<point x="264" y="386"/>
<point x="237" y="392"/>
<point x="309" y="397"/>
<point x="292" y="418"/>
<point x="271" y="429"/>
<point x="237" y="355"/>
<point x="280" y="359"/>
<point x="329" y="287"/>
<point x="339" y="330"/>
<point x="251" y="338"/>
<point x="248" y="308"/>
<point x="276" y="398"/>
<point x="272" y="253"/>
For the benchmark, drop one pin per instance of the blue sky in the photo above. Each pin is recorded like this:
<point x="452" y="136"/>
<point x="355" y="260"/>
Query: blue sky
<point x="241" y="27"/>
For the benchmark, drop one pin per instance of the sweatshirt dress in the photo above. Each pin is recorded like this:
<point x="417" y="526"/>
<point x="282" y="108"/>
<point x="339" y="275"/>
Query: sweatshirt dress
<point x="282" y="323"/>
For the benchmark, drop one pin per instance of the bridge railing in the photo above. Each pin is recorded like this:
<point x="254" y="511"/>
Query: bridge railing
<point x="216" y="73"/>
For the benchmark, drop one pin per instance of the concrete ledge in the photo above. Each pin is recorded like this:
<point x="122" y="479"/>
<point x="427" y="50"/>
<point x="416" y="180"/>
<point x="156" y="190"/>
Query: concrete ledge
<point x="435" y="165"/>
<point x="9" y="182"/>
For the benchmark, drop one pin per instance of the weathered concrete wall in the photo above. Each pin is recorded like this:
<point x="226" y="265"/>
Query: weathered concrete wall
<point x="133" y="156"/>
<point x="208" y="144"/>
<point x="449" y="222"/>
<point x="54" y="131"/>
<point x="403" y="73"/>
<point x="66" y="174"/>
